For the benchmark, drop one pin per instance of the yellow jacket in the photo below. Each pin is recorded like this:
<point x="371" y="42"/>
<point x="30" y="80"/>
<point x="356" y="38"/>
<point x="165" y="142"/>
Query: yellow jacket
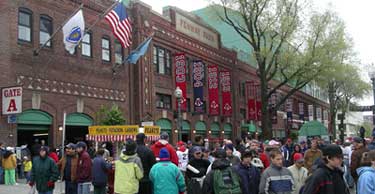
<point x="27" y="165"/>
<point x="10" y="162"/>
<point x="127" y="174"/>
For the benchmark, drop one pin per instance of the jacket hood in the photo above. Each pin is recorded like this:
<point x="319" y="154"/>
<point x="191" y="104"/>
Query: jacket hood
<point x="364" y="169"/>
<point x="220" y="164"/>
<point x="161" y="143"/>
<point x="126" y="157"/>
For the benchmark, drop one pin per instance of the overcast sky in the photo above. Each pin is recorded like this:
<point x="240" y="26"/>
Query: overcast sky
<point x="357" y="14"/>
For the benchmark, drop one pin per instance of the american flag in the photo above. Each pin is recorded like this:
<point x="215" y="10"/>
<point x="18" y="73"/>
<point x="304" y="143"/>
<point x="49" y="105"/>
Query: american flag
<point x="120" y="23"/>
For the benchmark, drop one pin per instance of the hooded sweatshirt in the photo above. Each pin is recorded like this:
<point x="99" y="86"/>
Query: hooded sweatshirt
<point x="208" y="184"/>
<point x="128" y="173"/>
<point x="164" y="144"/>
<point x="366" y="181"/>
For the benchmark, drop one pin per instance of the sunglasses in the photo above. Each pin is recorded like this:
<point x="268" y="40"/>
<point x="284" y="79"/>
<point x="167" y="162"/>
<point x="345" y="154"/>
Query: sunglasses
<point x="197" y="153"/>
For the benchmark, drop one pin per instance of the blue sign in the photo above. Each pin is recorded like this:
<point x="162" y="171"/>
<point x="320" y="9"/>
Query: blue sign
<point x="198" y="82"/>
<point x="12" y="119"/>
<point x="74" y="35"/>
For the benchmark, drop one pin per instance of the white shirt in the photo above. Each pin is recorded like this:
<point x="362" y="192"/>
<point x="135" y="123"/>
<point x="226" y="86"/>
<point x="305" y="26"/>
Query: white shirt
<point x="299" y="177"/>
<point x="183" y="159"/>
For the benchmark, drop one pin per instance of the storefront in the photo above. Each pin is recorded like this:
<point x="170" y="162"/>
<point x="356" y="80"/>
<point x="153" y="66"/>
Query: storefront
<point x="165" y="126"/>
<point x="77" y="126"/>
<point x="227" y="131"/>
<point x="200" y="128"/>
<point x="33" y="124"/>
<point x="185" y="131"/>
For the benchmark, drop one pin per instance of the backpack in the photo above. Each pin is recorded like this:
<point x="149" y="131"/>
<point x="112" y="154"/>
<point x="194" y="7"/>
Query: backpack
<point x="226" y="182"/>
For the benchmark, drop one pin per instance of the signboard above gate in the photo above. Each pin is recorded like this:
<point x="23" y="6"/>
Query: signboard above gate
<point x="12" y="100"/>
<point x="196" y="31"/>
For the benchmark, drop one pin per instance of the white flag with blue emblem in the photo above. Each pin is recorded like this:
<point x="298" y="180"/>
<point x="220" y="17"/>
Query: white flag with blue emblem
<point x="73" y="31"/>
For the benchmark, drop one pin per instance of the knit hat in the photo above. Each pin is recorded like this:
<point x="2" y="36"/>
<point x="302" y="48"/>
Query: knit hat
<point x="140" y="137"/>
<point x="164" y="155"/>
<point x="220" y="153"/>
<point x="130" y="147"/>
<point x="229" y="146"/>
<point x="332" y="151"/>
<point x="196" y="149"/>
<point x="298" y="157"/>
<point x="44" y="148"/>
<point x="358" y="140"/>
<point x="164" y="135"/>
<point x="180" y="143"/>
<point x="81" y="144"/>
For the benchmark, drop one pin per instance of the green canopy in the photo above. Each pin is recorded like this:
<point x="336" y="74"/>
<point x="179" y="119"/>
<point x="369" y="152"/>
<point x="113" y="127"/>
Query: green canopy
<point x="313" y="128"/>
<point x="249" y="127"/>
<point x="78" y="119"/>
<point x="185" y="126"/>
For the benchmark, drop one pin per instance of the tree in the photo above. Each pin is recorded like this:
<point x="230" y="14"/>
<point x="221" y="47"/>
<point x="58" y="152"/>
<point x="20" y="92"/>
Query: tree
<point x="288" y="52"/>
<point x="110" y="116"/>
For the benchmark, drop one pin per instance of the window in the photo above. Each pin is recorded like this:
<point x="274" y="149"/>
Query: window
<point x="86" y="45"/>
<point x="24" y="25"/>
<point x="242" y="89"/>
<point x="188" y="106"/>
<point x="243" y="113"/>
<point x="162" y="61"/>
<point x="45" y="27"/>
<point x="163" y="101"/>
<point x="106" y="49"/>
<point x="119" y="57"/>
<point x="188" y="62"/>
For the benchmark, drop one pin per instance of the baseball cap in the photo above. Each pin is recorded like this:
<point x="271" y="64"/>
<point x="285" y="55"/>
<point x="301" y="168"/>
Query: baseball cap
<point x="357" y="140"/>
<point x="298" y="157"/>
<point x="164" y="135"/>
<point x="71" y="146"/>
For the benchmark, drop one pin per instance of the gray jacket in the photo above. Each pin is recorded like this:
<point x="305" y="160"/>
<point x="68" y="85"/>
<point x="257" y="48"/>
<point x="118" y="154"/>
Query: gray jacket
<point x="276" y="180"/>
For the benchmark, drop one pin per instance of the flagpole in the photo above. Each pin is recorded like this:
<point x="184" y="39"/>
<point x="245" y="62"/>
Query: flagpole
<point x="101" y="16"/>
<point x="36" y="51"/>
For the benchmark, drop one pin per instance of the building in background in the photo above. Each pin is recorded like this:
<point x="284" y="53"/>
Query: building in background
<point x="213" y="75"/>
<point x="353" y="122"/>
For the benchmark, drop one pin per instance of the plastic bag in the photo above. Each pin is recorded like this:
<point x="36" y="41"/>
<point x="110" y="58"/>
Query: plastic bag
<point x="32" y="190"/>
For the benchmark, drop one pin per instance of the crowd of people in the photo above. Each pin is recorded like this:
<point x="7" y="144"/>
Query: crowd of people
<point x="247" y="166"/>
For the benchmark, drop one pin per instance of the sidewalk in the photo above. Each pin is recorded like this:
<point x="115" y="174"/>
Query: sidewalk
<point x="23" y="188"/>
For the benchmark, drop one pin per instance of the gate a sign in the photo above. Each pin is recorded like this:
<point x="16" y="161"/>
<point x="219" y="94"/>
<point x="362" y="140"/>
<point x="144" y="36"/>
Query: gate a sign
<point x="12" y="100"/>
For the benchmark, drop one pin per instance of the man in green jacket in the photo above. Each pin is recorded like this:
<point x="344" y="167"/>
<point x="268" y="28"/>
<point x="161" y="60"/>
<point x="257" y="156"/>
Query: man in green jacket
<point x="44" y="172"/>
<point x="166" y="177"/>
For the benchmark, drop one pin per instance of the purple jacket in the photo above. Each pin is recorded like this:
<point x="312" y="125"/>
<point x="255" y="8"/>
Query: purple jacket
<point x="84" y="168"/>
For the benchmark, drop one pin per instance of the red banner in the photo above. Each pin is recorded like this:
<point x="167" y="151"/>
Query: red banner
<point x="252" y="112"/>
<point x="226" y="92"/>
<point x="181" y="77"/>
<point x="213" y="90"/>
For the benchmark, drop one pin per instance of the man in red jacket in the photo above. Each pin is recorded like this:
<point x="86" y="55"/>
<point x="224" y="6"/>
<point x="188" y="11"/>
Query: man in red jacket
<point x="83" y="169"/>
<point x="163" y="143"/>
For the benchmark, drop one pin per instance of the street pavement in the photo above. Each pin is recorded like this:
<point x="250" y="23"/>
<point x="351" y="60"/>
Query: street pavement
<point x="23" y="188"/>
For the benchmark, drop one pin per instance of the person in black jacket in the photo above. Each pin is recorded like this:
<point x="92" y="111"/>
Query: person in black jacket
<point x="195" y="177"/>
<point x="249" y="174"/>
<point x="148" y="160"/>
<point x="328" y="178"/>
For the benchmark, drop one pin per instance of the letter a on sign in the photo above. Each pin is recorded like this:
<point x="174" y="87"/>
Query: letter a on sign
<point x="12" y="100"/>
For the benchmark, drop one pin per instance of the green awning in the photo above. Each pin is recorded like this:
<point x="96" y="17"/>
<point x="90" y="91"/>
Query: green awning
<point x="227" y="127"/>
<point x="313" y="128"/>
<point x="164" y="124"/>
<point x="215" y="127"/>
<point x="249" y="127"/>
<point x="78" y="119"/>
<point x="200" y="126"/>
<point x="185" y="126"/>
<point x="33" y="127"/>
<point x="34" y="117"/>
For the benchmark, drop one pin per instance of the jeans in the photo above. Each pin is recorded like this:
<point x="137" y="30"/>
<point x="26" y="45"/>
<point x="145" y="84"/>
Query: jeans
<point x="47" y="192"/>
<point x="99" y="189"/>
<point x="10" y="177"/>
<point x="84" y="188"/>
<point x="1" y="175"/>
<point x="27" y="176"/>
<point x="71" y="187"/>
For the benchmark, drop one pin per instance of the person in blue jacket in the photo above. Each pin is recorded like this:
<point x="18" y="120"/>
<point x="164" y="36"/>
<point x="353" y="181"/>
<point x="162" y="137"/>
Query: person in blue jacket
<point x="249" y="174"/>
<point x="366" y="181"/>
<point x="100" y="170"/>
<point x="166" y="177"/>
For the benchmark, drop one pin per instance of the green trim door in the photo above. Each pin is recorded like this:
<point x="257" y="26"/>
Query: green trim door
<point x="185" y="127"/>
<point x="215" y="130"/>
<point x="79" y="119"/>
<point x="200" y="128"/>
<point x="227" y="131"/>
<point x="33" y="124"/>
<point x="165" y="125"/>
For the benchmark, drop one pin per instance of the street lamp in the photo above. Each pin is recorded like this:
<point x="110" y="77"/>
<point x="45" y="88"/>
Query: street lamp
<point x="372" y="77"/>
<point x="178" y="95"/>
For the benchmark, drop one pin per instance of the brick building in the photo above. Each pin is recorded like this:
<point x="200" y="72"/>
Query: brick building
<point x="55" y="82"/>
